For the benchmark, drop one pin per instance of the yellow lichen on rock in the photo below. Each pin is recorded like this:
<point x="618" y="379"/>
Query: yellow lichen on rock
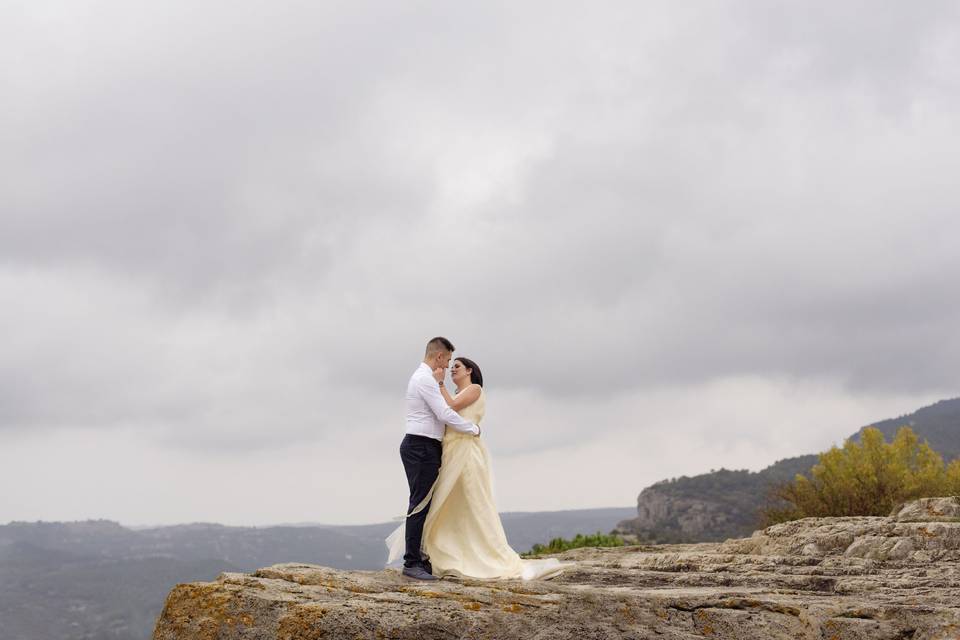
<point x="196" y="611"/>
<point x="304" y="622"/>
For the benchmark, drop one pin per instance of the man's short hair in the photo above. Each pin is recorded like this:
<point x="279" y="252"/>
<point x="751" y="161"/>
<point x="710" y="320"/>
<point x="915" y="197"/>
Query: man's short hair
<point x="439" y="344"/>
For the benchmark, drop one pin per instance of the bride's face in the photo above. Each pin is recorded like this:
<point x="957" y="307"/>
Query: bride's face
<point x="459" y="373"/>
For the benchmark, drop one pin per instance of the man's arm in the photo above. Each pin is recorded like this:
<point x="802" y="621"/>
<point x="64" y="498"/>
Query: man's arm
<point x="430" y="391"/>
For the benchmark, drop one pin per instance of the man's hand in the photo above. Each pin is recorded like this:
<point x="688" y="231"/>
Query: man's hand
<point x="439" y="374"/>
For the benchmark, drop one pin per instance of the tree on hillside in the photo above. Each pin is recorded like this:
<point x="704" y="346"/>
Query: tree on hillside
<point x="866" y="478"/>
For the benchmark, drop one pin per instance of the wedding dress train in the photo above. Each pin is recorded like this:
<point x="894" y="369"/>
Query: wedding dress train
<point x="463" y="535"/>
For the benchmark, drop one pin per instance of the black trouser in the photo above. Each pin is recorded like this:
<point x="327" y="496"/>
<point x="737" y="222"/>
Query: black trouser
<point x="421" y="461"/>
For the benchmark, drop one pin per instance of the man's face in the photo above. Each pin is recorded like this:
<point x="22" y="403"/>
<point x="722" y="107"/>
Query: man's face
<point x="443" y="360"/>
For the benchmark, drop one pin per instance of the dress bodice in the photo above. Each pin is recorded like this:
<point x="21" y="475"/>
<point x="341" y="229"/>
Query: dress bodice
<point x="473" y="413"/>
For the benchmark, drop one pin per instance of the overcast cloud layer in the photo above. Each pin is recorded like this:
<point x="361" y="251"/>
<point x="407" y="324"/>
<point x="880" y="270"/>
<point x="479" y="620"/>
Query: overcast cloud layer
<point x="675" y="238"/>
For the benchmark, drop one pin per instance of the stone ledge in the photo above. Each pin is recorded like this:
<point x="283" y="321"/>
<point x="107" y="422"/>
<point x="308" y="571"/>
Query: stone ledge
<point x="839" y="578"/>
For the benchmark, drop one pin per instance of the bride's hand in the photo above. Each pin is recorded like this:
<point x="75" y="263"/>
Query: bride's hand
<point x="439" y="374"/>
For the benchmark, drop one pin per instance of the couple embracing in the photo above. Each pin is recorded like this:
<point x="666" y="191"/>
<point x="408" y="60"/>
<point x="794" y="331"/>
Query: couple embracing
<point x="452" y="526"/>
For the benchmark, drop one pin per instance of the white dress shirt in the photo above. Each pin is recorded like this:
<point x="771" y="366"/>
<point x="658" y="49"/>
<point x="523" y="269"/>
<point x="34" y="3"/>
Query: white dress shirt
<point x="427" y="411"/>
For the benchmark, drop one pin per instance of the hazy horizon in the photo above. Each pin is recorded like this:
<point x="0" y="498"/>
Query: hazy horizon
<point x="134" y="526"/>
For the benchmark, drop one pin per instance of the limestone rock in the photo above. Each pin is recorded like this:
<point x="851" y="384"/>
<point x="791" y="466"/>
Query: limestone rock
<point x="930" y="510"/>
<point x="662" y="516"/>
<point x="839" y="578"/>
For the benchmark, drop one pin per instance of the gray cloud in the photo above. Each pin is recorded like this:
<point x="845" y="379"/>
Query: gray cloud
<point x="230" y="227"/>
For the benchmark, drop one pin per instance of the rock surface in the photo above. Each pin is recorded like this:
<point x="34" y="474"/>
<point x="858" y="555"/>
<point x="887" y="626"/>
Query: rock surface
<point x="819" y="578"/>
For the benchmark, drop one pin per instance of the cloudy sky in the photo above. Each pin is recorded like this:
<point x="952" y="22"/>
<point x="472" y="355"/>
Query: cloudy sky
<point x="675" y="237"/>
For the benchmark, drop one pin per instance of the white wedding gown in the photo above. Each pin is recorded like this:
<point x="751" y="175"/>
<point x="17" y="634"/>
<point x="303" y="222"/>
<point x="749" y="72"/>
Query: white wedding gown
<point x="463" y="535"/>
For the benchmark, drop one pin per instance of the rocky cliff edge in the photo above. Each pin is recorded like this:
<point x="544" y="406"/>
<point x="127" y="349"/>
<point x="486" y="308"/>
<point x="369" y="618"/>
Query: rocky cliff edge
<point x="877" y="578"/>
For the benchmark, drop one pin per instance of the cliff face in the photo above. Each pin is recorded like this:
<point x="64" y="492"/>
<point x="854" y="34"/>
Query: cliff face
<point x="840" y="578"/>
<point x="665" y="517"/>
<point x="710" y="507"/>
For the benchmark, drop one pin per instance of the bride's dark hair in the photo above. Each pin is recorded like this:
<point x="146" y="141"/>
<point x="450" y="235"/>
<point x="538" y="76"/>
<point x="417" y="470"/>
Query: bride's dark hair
<point x="475" y="376"/>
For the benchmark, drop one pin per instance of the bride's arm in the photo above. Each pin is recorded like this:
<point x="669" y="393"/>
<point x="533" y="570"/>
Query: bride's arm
<point x="466" y="397"/>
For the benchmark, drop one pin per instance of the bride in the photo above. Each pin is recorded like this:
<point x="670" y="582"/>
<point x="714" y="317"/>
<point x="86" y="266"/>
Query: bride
<point x="463" y="535"/>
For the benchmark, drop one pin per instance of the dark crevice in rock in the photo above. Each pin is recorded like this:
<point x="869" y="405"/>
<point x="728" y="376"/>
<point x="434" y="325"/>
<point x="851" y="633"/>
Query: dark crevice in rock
<point x="743" y="604"/>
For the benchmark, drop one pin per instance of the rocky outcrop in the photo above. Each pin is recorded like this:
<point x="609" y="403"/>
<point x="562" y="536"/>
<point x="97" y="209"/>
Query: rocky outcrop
<point x="665" y="517"/>
<point x="709" y="507"/>
<point x="839" y="578"/>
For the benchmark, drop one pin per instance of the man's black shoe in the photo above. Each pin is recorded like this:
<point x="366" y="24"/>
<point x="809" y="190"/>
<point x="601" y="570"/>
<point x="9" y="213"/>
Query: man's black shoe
<point x="418" y="573"/>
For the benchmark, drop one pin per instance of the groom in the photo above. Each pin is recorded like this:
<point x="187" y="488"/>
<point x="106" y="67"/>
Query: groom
<point x="421" y="449"/>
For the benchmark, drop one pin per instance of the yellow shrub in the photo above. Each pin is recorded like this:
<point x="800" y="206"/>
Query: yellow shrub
<point x="866" y="478"/>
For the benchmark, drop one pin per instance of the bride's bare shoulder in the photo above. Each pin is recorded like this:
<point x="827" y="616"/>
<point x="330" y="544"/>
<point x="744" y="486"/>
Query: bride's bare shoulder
<point x="470" y="393"/>
<point x="465" y="397"/>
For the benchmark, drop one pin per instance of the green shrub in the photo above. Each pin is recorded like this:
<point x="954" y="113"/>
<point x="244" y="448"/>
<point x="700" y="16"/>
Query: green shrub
<point x="561" y="544"/>
<point x="868" y="478"/>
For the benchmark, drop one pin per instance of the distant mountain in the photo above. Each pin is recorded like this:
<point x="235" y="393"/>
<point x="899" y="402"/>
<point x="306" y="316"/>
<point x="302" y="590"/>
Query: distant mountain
<point x="724" y="504"/>
<point x="98" y="580"/>
<point x="938" y="424"/>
